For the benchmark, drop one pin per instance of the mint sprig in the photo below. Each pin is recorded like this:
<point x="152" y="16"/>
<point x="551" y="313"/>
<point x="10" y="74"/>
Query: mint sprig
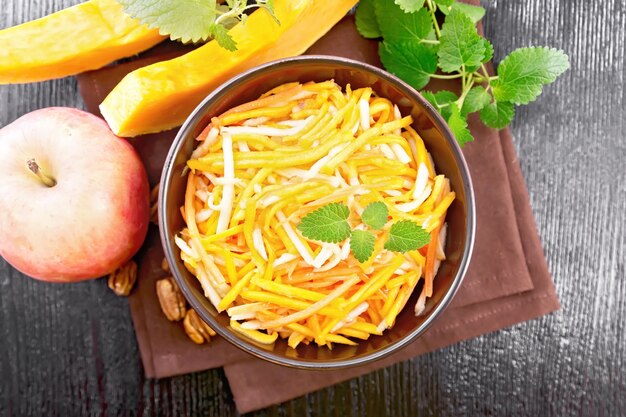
<point x="192" y="20"/>
<point x="416" y="48"/>
<point x="329" y="224"/>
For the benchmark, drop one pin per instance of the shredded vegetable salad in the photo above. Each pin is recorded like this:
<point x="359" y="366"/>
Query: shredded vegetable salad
<point x="263" y="166"/>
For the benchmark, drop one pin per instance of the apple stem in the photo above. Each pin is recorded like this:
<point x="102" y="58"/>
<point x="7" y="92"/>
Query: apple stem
<point x="45" y="178"/>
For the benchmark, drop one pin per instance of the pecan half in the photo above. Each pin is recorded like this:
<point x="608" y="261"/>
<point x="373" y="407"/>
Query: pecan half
<point x="122" y="280"/>
<point x="196" y="328"/>
<point x="171" y="299"/>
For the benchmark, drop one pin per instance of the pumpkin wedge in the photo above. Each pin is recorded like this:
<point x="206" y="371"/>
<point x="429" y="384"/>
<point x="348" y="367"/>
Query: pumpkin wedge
<point x="161" y="96"/>
<point x="80" y="38"/>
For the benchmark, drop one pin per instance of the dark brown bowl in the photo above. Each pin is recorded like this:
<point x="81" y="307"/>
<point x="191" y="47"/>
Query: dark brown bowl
<point x="439" y="141"/>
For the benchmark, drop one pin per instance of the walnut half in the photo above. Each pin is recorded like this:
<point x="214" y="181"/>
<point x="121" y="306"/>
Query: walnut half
<point x="171" y="299"/>
<point x="122" y="280"/>
<point x="196" y="328"/>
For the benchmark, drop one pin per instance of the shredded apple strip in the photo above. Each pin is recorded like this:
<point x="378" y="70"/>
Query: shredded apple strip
<point x="262" y="166"/>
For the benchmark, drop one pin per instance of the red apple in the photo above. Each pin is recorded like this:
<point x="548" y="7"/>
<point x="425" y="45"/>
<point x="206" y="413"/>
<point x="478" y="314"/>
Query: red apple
<point x="74" y="198"/>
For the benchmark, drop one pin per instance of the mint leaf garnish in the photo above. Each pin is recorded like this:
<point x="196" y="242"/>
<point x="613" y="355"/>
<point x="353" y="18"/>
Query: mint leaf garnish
<point x="488" y="51"/>
<point x="375" y="215"/>
<point x="397" y="26"/>
<point x="405" y="236"/>
<point x="444" y="5"/>
<point x="497" y="115"/>
<point x="475" y="13"/>
<point x="365" y="20"/>
<point x="445" y="97"/>
<point x="441" y="101"/>
<point x="362" y="244"/>
<point x="458" y="125"/>
<point x="413" y="62"/>
<point x="220" y="34"/>
<point x="410" y="6"/>
<point x="185" y="20"/>
<point x="475" y="100"/>
<point x="328" y="223"/>
<point x="523" y="73"/>
<point x="461" y="46"/>
<point x="430" y="97"/>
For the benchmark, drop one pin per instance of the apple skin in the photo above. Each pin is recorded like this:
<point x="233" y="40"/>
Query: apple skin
<point x="93" y="220"/>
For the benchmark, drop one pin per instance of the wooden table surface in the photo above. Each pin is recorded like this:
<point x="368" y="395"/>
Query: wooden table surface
<point x="70" y="350"/>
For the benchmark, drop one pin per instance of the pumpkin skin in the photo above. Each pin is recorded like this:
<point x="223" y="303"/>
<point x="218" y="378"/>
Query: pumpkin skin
<point x="84" y="37"/>
<point x="162" y="95"/>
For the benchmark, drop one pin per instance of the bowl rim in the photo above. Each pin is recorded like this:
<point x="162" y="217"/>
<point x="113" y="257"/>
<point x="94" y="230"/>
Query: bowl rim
<point x="249" y="347"/>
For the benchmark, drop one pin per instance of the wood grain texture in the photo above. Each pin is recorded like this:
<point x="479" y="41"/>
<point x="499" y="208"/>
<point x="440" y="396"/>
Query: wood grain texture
<point x="70" y="350"/>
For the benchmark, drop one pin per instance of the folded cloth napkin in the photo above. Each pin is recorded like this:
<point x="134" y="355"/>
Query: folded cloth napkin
<point x="508" y="281"/>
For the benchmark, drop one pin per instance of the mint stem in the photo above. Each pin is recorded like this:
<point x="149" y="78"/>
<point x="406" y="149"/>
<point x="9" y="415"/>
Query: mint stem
<point x="468" y="87"/>
<point x="431" y="8"/>
<point x="446" y="77"/>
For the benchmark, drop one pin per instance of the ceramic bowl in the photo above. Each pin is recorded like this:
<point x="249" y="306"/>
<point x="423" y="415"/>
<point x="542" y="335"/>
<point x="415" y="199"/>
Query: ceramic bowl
<point x="446" y="155"/>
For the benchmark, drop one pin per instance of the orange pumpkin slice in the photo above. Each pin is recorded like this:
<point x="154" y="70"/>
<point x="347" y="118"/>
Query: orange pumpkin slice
<point x="80" y="38"/>
<point x="161" y="96"/>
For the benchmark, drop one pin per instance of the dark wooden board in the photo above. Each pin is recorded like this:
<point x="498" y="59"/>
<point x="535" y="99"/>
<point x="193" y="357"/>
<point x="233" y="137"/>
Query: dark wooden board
<point x="70" y="350"/>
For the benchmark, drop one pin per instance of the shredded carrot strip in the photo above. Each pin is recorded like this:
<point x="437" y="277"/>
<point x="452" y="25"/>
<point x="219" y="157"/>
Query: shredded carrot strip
<point x="429" y="275"/>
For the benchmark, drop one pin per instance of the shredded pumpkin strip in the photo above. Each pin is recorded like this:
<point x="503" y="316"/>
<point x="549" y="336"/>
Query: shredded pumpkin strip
<point x="313" y="308"/>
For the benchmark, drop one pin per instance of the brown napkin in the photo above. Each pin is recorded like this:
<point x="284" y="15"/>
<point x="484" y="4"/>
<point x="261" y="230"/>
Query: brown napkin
<point x="508" y="281"/>
<point x="257" y="384"/>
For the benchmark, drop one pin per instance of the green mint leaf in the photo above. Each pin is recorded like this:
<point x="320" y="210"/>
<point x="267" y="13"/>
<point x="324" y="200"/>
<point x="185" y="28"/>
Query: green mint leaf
<point x="365" y="19"/>
<point x="458" y="125"/>
<point x="488" y="51"/>
<point x="441" y="101"/>
<point x="444" y="5"/>
<point x="475" y="100"/>
<point x="498" y="114"/>
<point x="362" y="244"/>
<point x="488" y="55"/>
<point x="185" y="20"/>
<point x="523" y="73"/>
<point x="475" y="13"/>
<point x="413" y="62"/>
<point x="375" y="215"/>
<point x="405" y="236"/>
<point x="444" y="98"/>
<point x="397" y="26"/>
<point x="430" y="97"/>
<point x="220" y="34"/>
<point x="460" y="43"/>
<point x="328" y="223"/>
<point x="410" y="6"/>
